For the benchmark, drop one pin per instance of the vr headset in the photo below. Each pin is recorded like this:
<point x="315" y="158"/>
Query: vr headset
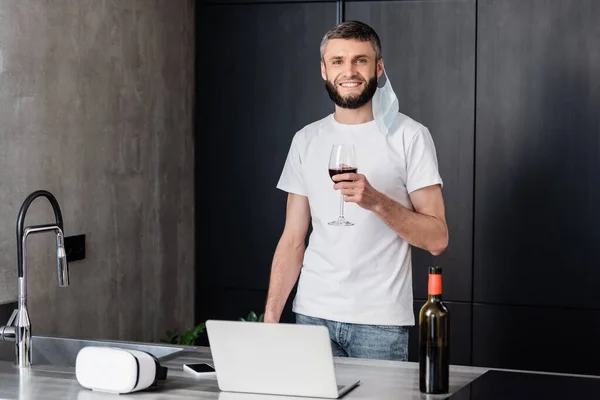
<point x="114" y="370"/>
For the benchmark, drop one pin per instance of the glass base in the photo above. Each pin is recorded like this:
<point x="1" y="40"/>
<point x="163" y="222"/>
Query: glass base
<point x="341" y="221"/>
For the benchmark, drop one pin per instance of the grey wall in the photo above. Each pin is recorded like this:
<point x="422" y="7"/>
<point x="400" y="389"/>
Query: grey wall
<point x="96" y="107"/>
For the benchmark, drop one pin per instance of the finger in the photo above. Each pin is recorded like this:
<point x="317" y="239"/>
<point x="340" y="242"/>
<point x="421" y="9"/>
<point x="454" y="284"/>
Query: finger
<point x="347" y="177"/>
<point x="356" y="198"/>
<point x="344" y="185"/>
<point x="355" y="177"/>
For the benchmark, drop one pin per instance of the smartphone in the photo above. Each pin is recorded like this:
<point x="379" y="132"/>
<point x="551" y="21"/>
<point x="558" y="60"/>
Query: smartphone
<point x="201" y="369"/>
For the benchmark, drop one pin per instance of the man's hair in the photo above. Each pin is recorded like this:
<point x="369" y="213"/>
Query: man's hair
<point x="353" y="30"/>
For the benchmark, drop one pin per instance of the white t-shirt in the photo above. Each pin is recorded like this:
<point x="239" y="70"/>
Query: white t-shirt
<point x="362" y="273"/>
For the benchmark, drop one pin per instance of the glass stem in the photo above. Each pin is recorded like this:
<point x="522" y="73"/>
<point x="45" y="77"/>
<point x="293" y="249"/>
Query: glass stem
<point x="341" y="206"/>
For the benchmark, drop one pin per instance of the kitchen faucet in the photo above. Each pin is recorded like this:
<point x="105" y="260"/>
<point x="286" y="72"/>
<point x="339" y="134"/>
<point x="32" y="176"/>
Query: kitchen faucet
<point x="18" y="328"/>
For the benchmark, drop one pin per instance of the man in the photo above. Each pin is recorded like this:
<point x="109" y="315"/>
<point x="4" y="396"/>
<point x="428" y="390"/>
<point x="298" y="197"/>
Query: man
<point x="357" y="280"/>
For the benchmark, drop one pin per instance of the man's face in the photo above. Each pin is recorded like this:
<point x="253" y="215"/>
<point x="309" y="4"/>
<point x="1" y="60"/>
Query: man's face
<point x="350" y="70"/>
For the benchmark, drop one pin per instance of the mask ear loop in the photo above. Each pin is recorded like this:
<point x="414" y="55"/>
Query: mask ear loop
<point x="385" y="112"/>
<point x="382" y="80"/>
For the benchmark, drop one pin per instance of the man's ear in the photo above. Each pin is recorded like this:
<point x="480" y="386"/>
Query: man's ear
<point x="380" y="67"/>
<point x="323" y="71"/>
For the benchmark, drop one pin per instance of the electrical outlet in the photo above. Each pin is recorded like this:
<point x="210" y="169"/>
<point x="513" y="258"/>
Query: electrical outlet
<point x="75" y="247"/>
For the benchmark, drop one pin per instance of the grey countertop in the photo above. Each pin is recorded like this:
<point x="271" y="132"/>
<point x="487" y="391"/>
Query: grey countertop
<point x="379" y="380"/>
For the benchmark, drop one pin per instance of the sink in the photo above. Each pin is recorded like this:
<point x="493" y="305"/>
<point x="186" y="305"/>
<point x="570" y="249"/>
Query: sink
<point x="62" y="352"/>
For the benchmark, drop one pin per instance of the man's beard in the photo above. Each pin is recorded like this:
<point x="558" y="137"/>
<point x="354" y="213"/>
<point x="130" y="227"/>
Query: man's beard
<point x="352" y="101"/>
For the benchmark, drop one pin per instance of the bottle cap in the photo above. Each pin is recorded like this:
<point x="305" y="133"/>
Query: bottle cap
<point x="435" y="270"/>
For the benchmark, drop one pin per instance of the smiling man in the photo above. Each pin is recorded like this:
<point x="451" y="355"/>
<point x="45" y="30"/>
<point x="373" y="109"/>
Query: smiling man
<point x="357" y="280"/>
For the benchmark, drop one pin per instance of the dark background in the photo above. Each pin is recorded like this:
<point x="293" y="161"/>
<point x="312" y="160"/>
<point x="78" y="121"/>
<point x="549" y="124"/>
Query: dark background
<point x="510" y="90"/>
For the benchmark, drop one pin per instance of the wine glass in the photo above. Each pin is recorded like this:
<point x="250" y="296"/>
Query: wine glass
<point x="342" y="160"/>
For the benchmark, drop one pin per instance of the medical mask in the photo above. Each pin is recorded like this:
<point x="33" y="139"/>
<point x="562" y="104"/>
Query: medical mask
<point x="385" y="105"/>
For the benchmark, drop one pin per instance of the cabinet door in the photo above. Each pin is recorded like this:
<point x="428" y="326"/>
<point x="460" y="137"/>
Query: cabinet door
<point x="536" y="338"/>
<point x="259" y="82"/>
<point x="429" y="54"/>
<point x="538" y="154"/>
<point x="232" y="2"/>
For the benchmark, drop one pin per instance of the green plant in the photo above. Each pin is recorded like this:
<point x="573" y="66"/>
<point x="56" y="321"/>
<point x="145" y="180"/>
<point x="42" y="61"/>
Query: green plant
<point x="190" y="336"/>
<point x="253" y="318"/>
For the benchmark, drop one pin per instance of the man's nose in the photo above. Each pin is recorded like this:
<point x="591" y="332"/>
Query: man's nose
<point x="350" y="70"/>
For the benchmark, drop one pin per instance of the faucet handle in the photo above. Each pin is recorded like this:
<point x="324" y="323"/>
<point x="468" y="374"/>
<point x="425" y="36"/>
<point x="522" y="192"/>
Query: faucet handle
<point x="11" y="320"/>
<point x="8" y="332"/>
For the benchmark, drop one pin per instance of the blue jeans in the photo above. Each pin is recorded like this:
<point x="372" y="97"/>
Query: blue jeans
<point x="382" y="342"/>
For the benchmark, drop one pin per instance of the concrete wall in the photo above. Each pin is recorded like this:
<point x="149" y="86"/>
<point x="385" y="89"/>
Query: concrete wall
<point x="96" y="104"/>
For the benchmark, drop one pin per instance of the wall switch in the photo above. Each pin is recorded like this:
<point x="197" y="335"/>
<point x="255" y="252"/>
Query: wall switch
<point x="75" y="247"/>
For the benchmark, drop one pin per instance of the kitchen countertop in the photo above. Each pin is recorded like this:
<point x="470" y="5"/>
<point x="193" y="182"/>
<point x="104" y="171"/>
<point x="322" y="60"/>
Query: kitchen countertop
<point x="379" y="380"/>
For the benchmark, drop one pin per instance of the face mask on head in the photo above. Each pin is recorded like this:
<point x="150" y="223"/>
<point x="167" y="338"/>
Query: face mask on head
<point x="385" y="105"/>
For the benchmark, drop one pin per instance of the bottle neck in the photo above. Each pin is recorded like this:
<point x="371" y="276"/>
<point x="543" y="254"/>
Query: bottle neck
<point x="435" y="287"/>
<point x="435" y="297"/>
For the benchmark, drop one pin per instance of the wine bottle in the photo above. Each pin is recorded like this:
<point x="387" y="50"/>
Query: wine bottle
<point x="434" y="338"/>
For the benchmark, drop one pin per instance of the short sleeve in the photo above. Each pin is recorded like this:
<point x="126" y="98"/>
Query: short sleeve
<point x="292" y="177"/>
<point x="422" y="164"/>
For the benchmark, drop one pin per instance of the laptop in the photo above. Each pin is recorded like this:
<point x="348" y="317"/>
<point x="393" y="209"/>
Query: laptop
<point x="274" y="359"/>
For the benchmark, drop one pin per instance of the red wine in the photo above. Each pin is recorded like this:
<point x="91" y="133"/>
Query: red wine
<point x="343" y="170"/>
<point x="434" y="330"/>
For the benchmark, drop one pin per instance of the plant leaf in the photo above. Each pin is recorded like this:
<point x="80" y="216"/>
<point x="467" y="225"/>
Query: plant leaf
<point x="199" y="329"/>
<point x="188" y="338"/>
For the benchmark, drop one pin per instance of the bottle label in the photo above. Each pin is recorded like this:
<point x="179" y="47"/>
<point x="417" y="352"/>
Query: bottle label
<point x="435" y="284"/>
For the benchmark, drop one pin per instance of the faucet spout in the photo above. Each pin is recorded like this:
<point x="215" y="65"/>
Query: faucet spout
<point x="21" y="222"/>
<point x="18" y="328"/>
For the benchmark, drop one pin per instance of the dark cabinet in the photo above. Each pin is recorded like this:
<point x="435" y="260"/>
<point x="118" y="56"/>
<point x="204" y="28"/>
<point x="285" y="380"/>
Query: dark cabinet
<point x="538" y="153"/>
<point x="510" y="91"/>
<point x="536" y="338"/>
<point x="259" y="82"/>
<point x="241" y="2"/>
<point x="429" y="54"/>
<point x="232" y="304"/>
